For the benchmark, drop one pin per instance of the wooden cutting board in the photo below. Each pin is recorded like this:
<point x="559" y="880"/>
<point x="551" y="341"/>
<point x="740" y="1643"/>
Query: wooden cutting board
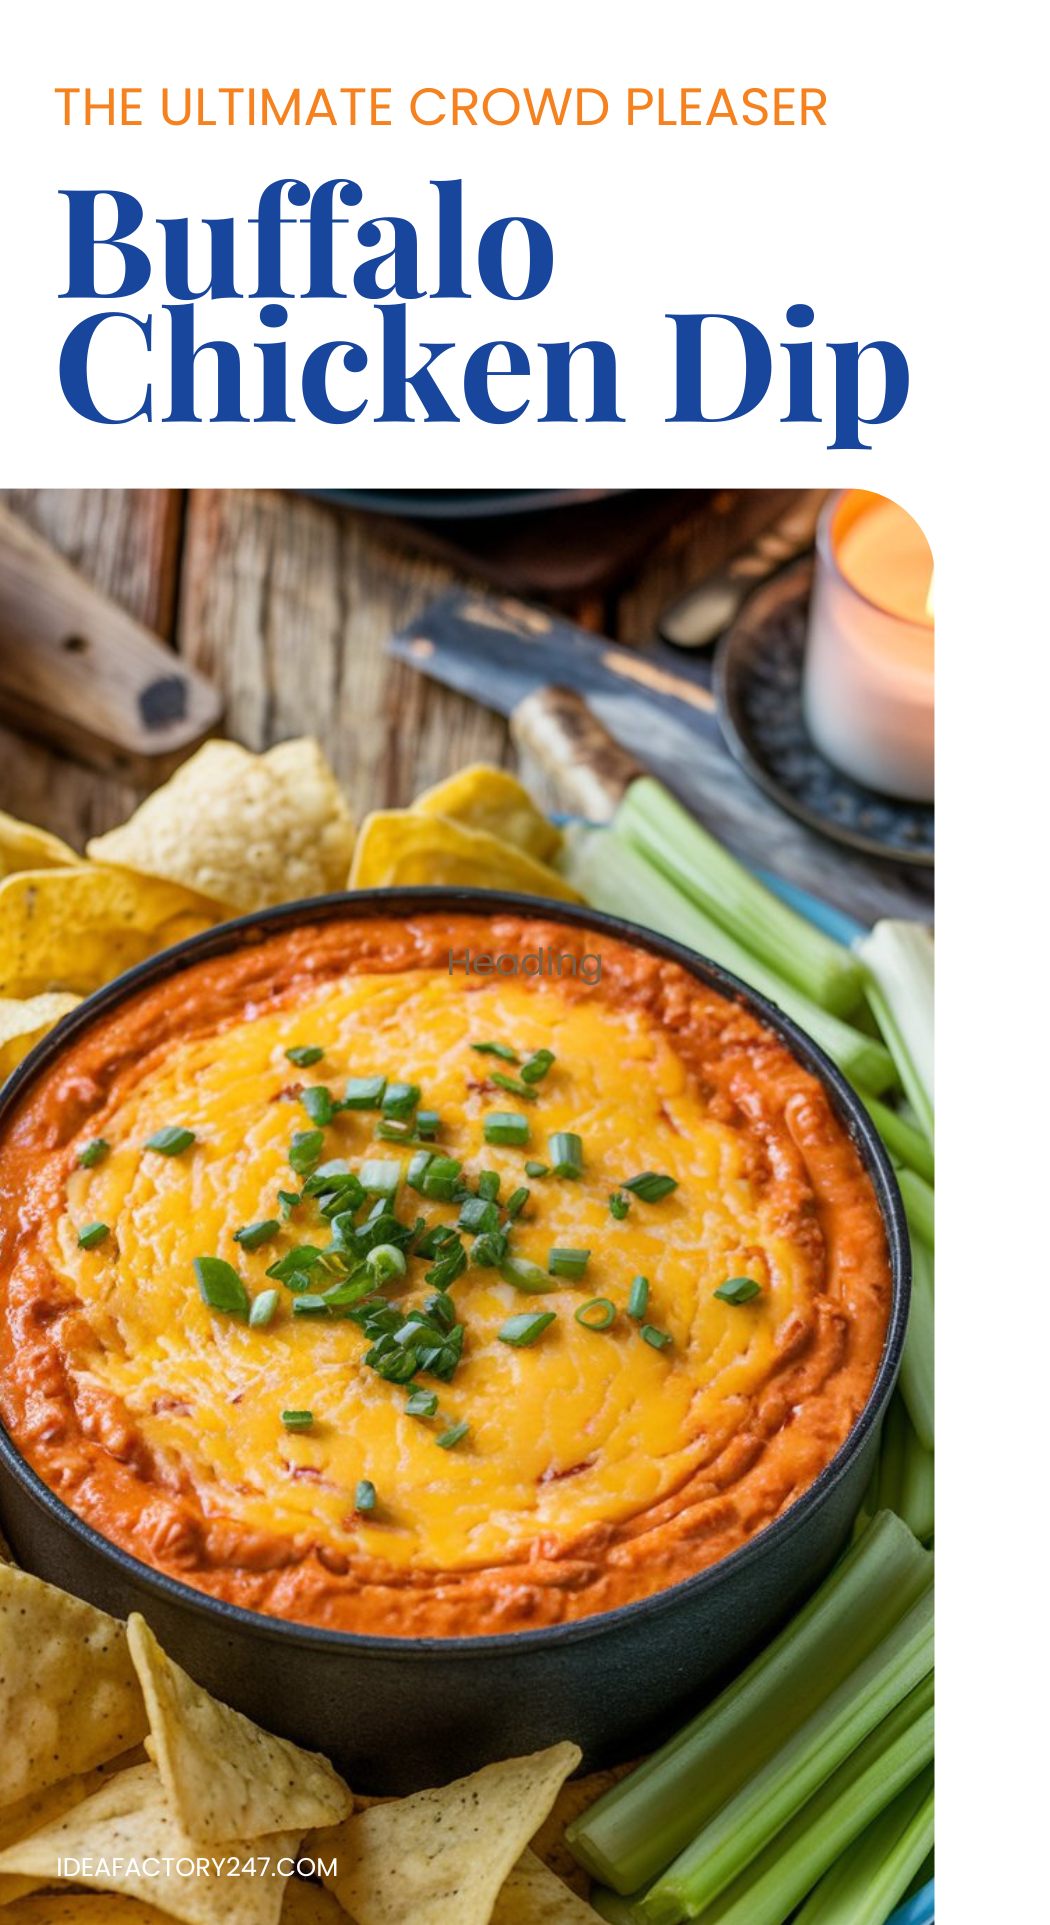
<point x="79" y="671"/>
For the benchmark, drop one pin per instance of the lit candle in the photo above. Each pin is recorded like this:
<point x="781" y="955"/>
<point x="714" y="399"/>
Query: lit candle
<point x="868" y="685"/>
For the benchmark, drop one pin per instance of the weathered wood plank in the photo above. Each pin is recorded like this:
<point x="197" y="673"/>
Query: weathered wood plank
<point x="127" y="542"/>
<point x="288" y="603"/>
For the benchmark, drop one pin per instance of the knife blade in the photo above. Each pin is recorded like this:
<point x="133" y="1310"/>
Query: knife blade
<point x="657" y="704"/>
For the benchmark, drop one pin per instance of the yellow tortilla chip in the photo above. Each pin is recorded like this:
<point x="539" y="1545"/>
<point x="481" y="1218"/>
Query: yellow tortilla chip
<point x="17" y="1821"/>
<point x="245" y="830"/>
<point x="576" y="1796"/>
<point x="69" y="1697"/>
<point x="440" y="1857"/>
<point x="83" y="1908"/>
<point x="129" y="1821"/>
<point x="400" y="848"/>
<point x="310" y="1905"/>
<point x="75" y="929"/>
<point x="484" y="797"/>
<point x="224" y="1776"/>
<point x="23" y="1023"/>
<point x="23" y="846"/>
<point x="533" y="1895"/>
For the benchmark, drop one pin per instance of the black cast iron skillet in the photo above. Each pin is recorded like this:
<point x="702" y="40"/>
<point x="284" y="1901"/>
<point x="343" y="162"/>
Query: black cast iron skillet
<point x="398" y="1713"/>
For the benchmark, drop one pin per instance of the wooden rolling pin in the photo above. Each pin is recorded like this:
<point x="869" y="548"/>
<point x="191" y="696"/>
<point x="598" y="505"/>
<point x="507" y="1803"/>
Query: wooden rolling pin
<point x="80" y="672"/>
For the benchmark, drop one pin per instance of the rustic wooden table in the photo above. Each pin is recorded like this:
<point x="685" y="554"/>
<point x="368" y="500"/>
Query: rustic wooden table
<point x="287" y="602"/>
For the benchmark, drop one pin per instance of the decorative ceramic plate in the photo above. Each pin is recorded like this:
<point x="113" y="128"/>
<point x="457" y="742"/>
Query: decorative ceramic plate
<point x="758" y="687"/>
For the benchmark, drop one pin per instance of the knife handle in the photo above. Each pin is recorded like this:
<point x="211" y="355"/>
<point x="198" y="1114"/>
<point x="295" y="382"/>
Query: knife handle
<point x="589" y="770"/>
<point x="696" y="619"/>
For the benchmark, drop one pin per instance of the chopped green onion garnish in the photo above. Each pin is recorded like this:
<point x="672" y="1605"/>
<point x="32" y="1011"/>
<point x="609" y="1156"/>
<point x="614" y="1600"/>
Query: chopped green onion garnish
<point x="365" y="1496"/>
<point x="296" y="1264"/>
<point x="536" y="1169"/>
<point x="93" y="1153"/>
<point x="305" y="1151"/>
<point x="422" y="1403"/>
<point x="477" y="1214"/>
<point x="619" y="1205"/>
<point x="92" y="1234"/>
<point x="417" y="1169"/>
<point x="386" y="1262"/>
<point x="251" y="1235"/>
<point x="651" y="1186"/>
<point x="428" y="1123"/>
<point x="738" y="1290"/>
<point x="220" y="1286"/>
<point x="638" y="1301"/>
<point x="263" y="1308"/>
<point x="297" y="1419"/>
<point x="310" y="1305"/>
<point x="450" y="1264"/>
<point x="287" y="1201"/>
<point x="400" y="1099"/>
<point x="658" y="1338"/>
<point x="596" y="1315"/>
<point x="566" y="1154"/>
<point x="319" y="1104"/>
<point x="505" y="1126"/>
<point x="304" y="1055"/>
<point x="450" y="1438"/>
<point x="380" y="1176"/>
<point x="568" y="1263"/>
<point x="516" y="1202"/>
<point x="172" y="1140"/>
<point x="488" y="1185"/>
<point x="513" y="1085"/>
<point x="364" y="1093"/>
<point x="535" y="1067"/>
<point x="489" y="1249"/>
<point x="524" y="1329"/>
<point x="441" y="1180"/>
<point x="496" y="1049"/>
<point x="523" y="1275"/>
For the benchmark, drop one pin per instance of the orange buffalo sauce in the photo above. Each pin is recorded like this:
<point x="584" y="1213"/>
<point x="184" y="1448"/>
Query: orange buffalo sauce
<point x="595" y="1466"/>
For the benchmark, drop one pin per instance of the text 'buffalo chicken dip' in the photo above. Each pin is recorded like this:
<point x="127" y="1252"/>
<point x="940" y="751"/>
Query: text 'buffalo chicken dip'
<point x="356" y="1290"/>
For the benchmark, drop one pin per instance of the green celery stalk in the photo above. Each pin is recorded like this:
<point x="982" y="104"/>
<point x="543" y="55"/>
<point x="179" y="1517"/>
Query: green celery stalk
<point x="630" y="1834"/>
<point x="610" y="1906"/>
<point x="813" y="1750"/>
<point x="898" y="958"/>
<point x="918" y="1205"/>
<point x="617" y="878"/>
<point x="825" y="971"/>
<point x="905" y="1475"/>
<point x="916" y="1378"/>
<point x="863" y="1886"/>
<point x="906" y="1144"/>
<point x="792" y="1862"/>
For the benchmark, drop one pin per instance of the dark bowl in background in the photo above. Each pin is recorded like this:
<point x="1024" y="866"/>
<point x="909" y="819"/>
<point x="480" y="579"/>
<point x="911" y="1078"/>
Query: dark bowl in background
<point x="396" y="1713"/>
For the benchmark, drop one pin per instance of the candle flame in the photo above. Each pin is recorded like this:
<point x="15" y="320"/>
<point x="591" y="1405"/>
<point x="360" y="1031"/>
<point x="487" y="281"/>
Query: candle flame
<point x="929" y="599"/>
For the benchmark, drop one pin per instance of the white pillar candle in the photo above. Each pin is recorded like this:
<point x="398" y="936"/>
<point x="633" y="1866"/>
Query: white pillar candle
<point x="867" y="690"/>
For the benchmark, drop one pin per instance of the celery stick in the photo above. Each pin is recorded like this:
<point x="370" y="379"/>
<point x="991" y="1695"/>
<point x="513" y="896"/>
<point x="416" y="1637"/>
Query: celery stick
<point x="615" y="877"/>
<point x="628" y="1836"/>
<point x="916" y="1378"/>
<point x="790" y="1864"/>
<point x="905" y="1143"/>
<point x="905" y="1479"/>
<point x="610" y="1906"/>
<point x="898" y="957"/>
<point x="811" y="1752"/>
<point x="651" y="819"/>
<point x="918" y="1205"/>
<point x="866" y="1882"/>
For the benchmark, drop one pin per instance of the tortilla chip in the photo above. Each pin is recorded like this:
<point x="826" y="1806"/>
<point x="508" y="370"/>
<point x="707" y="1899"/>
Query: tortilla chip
<point x="484" y="797"/>
<point x="83" y="1908"/>
<point x="574" y="1798"/>
<point x="129" y="1820"/>
<point x="76" y="929"/>
<point x="245" y="830"/>
<point x="69" y="1697"/>
<point x="310" y="1905"/>
<point x="398" y="848"/>
<point x="23" y="846"/>
<point x="23" y="1023"/>
<point x="18" y="1821"/>
<point x="224" y="1776"/>
<point x="440" y="1857"/>
<point x="533" y="1896"/>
